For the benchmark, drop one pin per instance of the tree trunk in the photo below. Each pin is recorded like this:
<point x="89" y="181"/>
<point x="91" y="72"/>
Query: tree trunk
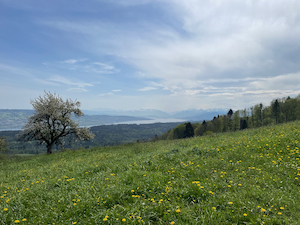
<point x="49" y="148"/>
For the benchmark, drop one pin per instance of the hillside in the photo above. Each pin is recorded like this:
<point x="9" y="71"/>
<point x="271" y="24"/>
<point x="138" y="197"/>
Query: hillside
<point x="247" y="177"/>
<point x="105" y="135"/>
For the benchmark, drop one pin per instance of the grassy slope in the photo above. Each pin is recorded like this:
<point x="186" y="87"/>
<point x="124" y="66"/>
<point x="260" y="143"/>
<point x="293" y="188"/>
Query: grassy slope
<point x="235" y="178"/>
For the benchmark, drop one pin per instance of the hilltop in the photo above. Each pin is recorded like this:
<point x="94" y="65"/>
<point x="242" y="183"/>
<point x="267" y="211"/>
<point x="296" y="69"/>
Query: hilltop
<point x="250" y="176"/>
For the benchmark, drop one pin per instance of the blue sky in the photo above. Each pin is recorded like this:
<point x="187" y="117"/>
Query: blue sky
<point x="169" y="55"/>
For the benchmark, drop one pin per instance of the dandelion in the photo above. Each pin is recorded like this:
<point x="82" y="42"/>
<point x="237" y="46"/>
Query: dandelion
<point x="24" y="219"/>
<point x="230" y="203"/>
<point x="123" y="220"/>
<point x="17" y="221"/>
<point x="5" y="209"/>
<point x="74" y="222"/>
<point x="245" y="214"/>
<point x="281" y="207"/>
<point x="105" y="219"/>
<point x="214" y="208"/>
<point x="279" y="213"/>
<point x="178" y="210"/>
<point x="172" y="222"/>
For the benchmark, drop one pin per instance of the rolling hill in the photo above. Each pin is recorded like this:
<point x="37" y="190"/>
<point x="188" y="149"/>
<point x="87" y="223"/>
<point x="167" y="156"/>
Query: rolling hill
<point x="247" y="177"/>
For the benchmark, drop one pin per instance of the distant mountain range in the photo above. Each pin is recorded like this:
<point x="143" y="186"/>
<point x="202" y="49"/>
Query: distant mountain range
<point x="190" y="114"/>
<point x="14" y="119"/>
<point x="148" y="113"/>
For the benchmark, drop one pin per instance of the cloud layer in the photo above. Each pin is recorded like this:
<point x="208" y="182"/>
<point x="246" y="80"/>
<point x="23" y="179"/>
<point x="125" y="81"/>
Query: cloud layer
<point x="174" y="54"/>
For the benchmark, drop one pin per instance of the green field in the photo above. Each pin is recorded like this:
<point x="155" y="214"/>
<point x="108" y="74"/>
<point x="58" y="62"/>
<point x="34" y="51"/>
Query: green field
<point x="246" y="177"/>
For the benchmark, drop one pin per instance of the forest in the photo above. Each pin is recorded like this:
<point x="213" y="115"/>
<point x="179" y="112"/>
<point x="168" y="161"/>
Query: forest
<point x="105" y="135"/>
<point x="280" y="110"/>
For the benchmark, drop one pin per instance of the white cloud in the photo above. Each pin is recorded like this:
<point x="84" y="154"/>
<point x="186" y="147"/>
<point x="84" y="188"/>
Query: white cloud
<point x="147" y="89"/>
<point x="106" y="94"/>
<point x="73" y="61"/>
<point x="84" y="65"/>
<point x="63" y="80"/>
<point x="77" y="90"/>
<point x="98" y="67"/>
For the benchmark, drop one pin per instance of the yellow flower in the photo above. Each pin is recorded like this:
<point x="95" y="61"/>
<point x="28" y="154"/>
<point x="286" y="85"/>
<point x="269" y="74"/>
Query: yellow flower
<point x="123" y="220"/>
<point x="172" y="222"/>
<point x="281" y="207"/>
<point x="230" y="203"/>
<point x="279" y="213"/>
<point x="17" y="221"/>
<point x="177" y="210"/>
<point x="74" y="222"/>
<point x="24" y="219"/>
<point x="5" y="209"/>
<point x="105" y="219"/>
<point x="214" y="208"/>
<point x="245" y="214"/>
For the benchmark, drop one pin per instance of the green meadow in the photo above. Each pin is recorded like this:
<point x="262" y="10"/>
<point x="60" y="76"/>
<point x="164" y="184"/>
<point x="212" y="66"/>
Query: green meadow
<point x="246" y="177"/>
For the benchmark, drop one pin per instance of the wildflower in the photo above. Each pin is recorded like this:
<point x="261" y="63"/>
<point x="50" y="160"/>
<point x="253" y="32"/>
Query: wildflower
<point x="74" y="222"/>
<point x="177" y="210"/>
<point x="279" y="213"/>
<point x="281" y="207"/>
<point x="5" y="209"/>
<point x="123" y="220"/>
<point x="172" y="222"/>
<point x="105" y="219"/>
<point x="230" y="203"/>
<point x="24" y="219"/>
<point x="214" y="208"/>
<point x="17" y="221"/>
<point x="245" y="214"/>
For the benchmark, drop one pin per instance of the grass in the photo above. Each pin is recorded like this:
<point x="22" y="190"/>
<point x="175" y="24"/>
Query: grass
<point x="247" y="177"/>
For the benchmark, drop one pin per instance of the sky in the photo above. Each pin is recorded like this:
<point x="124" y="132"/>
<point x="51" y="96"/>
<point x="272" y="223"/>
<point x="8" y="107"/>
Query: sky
<point x="169" y="55"/>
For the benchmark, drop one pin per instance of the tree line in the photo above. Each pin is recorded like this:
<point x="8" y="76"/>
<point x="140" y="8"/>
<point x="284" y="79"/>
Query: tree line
<point x="280" y="110"/>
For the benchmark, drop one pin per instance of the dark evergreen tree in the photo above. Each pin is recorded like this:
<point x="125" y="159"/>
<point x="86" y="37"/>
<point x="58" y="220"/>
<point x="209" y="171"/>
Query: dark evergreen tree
<point x="189" y="130"/>
<point x="230" y="113"/>
<point x="276" y="110"/>
<point x="243" y="124"/>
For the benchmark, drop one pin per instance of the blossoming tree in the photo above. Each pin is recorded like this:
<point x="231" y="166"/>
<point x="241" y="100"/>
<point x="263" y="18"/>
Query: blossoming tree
<point x="52" y="123"/>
